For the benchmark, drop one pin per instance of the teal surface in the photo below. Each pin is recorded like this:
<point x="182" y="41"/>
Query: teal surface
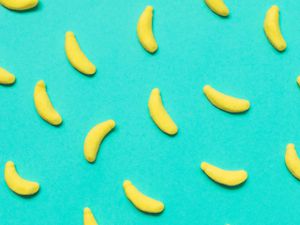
<point x="196" y="47"/>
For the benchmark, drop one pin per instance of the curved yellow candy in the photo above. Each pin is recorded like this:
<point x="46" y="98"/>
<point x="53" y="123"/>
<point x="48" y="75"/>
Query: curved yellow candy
<point x="144" y="30"/>
<point x="225" y="177"/>
<point x="159" y="114"/>
<point x="141" y="201"/>
<point x="95" y="137"/>
<point x="44" y="106"/>
<point x="272" y="28"/>
<point x="6" y="77"/>
<point x="76" y="57"/>
<point x="88" y="217"/>
<point x="292" y="160"/>
<point x="19" y="5"/>
<point x="16" y="183"/>
<point x="218" y="7"/>
<point x="298" y="80"/>
<point x="225" y="102"/>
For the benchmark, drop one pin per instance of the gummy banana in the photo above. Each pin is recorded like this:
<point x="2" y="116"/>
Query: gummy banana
<point x="19" y="5"/>
<point x="218" y="7"/>
<point x="88" y="217"/>
<point x="159" y="114"/>
<point x="145" y="32"/>
<point x="44" y="106"/>
<point x="94" y="139"/>
<point x="225" y="102"/>
<point x="18" y="184"/>
<point x="6" y="77"/>
<point x="76" y="56"/>
<point x="141" y="201"/>
<point x="225" y="177"/>
<point x="272" y="29"/>
<point x="292" y="160"/>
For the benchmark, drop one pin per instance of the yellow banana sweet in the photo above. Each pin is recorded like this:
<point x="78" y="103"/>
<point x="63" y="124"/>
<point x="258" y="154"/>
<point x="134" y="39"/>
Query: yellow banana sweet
<point x="76" y="57"/>
<point x="225" y="177"/>
<point x="145" y="32"/>
<point x="19" y="5"/>
<point x="225" y="102"/>
<point x="159" y="114"/>
<point x="88" y="217"/>
<point x="218" y="7"/>
<point x="44" y="106"/>
<point x="6" y="77"/>
<point x="16" y="183"/>
<point x="141" y="201"/>
<point x="94" y="139"/>
<point x="272" y="29"/>
<point x="292" y="160"/>
<point x="298" y="80"/>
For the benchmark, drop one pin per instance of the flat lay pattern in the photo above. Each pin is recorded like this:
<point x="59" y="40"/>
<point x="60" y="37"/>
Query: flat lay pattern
<point x="155" y="62"/>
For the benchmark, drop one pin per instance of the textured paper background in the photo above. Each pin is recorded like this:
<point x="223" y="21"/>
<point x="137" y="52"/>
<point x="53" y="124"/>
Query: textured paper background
<point x="196" y="48"/>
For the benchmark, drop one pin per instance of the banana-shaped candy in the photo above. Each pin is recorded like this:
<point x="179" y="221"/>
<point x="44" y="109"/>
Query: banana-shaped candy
<point x="94" y="139"/>
<point x="225" y="102"/>
<point x="18" y="184"/>
<point x="159" y="114"/>
<point x="292" y="160"/>
<point x="44" y="106"/>
<point x="76" y="56"/>
<point x="19" y="5"/>
<point x="88" y="217"/>
<point x="145" y="32"/>
<point x="218" y="7"/>
<point x="6" y="77"/>
<point x="225" y="177"/>
<point x="141" y="201"/>
<point x="272" y="29"/>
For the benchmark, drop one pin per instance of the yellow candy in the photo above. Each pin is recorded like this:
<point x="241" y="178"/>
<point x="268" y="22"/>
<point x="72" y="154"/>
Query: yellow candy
<point x="225" y="102"/>
<point x="292" y="160"/>
<point x="159" y="114"/>
<point x="44" y="106"/>
<point x="76" y="57"/>
<point x="298" y="80"/>
<point x="6" y="77"/>
<point x="19" y="5"/>
<point x="218" y="7"/>
<point x="16" y="183"/>
<point x="141" y="201"/>
<point x="144" y="30"/>
<point x="94" y="139"/>
<point x="225" y="177"/>
<point x="88" y="217"/>
<point x="272" y="29"/>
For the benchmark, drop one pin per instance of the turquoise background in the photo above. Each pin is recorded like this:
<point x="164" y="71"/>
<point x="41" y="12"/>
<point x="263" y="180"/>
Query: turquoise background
<point x="196" y="47"/>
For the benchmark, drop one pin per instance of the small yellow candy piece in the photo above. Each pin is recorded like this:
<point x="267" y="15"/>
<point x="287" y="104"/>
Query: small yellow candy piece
<point x="76" y="57"/>
<point x="225" y="102"/>
<point x="94" y="139"/>
<point x="218" y="7"/>
<point x="19" y="5"/>
<point x="144" y="30"/>
<point x="225" y="177"/>
<point x="159" y="114"/>
<point x="16" y="183"/>
<point x="44" y="106"/>
<point x="88" y="217"/>
<point x="298" y="80"/>
<point x="272" y="29"/>
<point x="141" y="201"/>
<point x="292" y="160"/>
<point x="6" y="77"/>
